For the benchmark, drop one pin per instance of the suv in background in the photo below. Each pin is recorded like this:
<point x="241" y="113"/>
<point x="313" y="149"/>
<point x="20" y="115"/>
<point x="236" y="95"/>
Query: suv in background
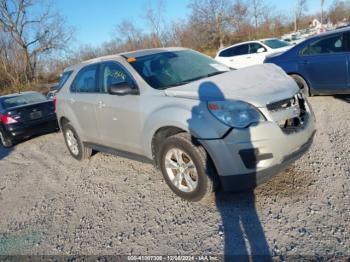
<point x="201" y="123"/>
<point x="251" y="53"/>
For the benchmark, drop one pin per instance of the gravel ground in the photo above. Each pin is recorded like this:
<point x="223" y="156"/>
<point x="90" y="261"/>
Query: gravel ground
<point x="51" y="204"/>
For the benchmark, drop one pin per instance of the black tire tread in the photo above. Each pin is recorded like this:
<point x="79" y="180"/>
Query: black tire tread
<point x="205" y="162"/>
<point x="299" y="78"/>
<point x="8" y="142"/>
<point x="84" y="151"/>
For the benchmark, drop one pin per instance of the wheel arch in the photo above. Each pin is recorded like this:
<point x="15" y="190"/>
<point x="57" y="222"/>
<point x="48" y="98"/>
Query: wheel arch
<point x="160" y="135"/>
<point x="311" y="91"/>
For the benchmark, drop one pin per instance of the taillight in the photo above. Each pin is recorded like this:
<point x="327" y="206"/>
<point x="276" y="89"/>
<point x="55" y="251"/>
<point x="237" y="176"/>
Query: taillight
<point x="54" y="102"/>
<point x="6" y="119"/>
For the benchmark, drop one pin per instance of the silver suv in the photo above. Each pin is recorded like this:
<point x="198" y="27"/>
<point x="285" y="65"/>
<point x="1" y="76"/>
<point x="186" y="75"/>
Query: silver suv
<point x="203" y="124"/>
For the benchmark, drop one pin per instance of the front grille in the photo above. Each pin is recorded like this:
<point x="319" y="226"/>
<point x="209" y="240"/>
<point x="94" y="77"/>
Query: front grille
<point x="296" y="105"/>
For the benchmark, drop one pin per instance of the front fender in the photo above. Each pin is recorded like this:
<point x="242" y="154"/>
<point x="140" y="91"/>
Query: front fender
<point x="194" y="119"/>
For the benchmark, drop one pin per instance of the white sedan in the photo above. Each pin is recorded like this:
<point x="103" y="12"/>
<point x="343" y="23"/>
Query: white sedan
<point x="251" y="53"/>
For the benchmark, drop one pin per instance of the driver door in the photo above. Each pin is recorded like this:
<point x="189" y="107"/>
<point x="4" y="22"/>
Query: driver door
<point x="118" y="116"/>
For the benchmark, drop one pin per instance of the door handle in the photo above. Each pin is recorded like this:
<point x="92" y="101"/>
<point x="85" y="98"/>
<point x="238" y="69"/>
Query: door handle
<point x="305" y="62"/>
<point x="101" y="104"/>
<point x="248" y="57"/>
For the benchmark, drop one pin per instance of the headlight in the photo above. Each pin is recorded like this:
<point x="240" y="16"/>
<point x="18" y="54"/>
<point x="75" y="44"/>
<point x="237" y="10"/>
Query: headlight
<point x="237" y="114"/>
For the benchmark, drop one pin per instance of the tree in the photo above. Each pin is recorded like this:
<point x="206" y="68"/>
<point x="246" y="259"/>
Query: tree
<point x="300" y="9"/>
<point x="339" y="11"/>
<point x="211" y="20"/>
<point x="155" y="19"/>
<point x="33" y="35"/>
<point x="239" y="14"/>
<point x="257" y="11"/>
<point x="128" y="33"/>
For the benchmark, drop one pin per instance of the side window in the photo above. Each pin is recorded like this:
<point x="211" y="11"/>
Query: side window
<point x="254" y="47"/>
<point x="113" y="73"/>
<point x="86" y="80"/>
<point x="228" y="52"/>
<point x="242" y="49"/>
<point x="328" y="45"/>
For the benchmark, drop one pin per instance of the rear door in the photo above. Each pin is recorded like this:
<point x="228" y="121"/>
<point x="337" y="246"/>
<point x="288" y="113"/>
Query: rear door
<point x="324" y="63"/>
<point x="255" y="58"/>
<point x="83" y="101"/>
<point x="235" y="57"/>
<point x="118" y="116"/>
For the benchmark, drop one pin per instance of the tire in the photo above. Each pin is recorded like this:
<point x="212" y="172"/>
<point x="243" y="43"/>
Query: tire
<point x="203" y="176"/>
<point x="5" y="142"/>
<point x="77" y="149"/>
<point x="304" y="87"/>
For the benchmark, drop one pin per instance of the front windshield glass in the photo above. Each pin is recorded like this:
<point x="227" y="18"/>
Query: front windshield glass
<point x="168" y="69"/>
<point x="276" y="43"/>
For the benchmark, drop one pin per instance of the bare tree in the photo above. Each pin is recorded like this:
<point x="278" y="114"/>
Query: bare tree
<point x="128" y="33"/>
<point x="34" y="35"/>
<point x="239" y="14"/>
<point x="257" y="11"/>
<point x="154" y="17"/>
<point x="300" y="9"/>
<point x="339" y="11"/>
<point x="211" y="18"/>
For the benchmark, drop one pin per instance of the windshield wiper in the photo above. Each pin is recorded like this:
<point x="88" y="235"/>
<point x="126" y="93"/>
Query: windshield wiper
<point x="197" y="78"/>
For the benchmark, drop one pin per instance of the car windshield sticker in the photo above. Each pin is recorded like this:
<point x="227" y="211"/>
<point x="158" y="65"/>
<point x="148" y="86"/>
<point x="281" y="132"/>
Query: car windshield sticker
<point x="118" y="75"/>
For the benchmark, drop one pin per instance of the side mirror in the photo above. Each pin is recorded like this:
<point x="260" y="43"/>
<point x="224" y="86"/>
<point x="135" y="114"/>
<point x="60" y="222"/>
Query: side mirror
<point x="122" y="89"/>
<point x="261" y="50"/>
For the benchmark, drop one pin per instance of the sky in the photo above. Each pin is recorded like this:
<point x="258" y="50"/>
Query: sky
<point x="95" y="20"/>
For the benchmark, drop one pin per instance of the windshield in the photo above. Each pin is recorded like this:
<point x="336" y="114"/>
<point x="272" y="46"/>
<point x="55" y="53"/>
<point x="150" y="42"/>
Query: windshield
<point x="276" y="43"/>
<point x="168" y="69"/>
<point x="23" y="99"/>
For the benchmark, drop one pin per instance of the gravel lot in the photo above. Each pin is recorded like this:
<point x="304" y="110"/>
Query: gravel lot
<point x="52" y="204"/>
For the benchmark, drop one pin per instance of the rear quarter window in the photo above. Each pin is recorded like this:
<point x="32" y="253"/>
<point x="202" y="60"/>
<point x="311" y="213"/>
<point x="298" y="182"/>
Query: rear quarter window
<point x="65" y="76"/>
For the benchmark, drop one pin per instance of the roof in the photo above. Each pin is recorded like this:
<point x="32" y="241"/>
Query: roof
<point x="340" y="30"/>
<point x="137" y="53"/>
<point x="151" y="51"/>
<point x="248" y="42"/>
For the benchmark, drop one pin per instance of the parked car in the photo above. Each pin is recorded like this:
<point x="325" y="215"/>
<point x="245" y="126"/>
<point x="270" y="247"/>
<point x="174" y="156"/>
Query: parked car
<point x="201" y="123"/>
<point x="250" y="53"/>
<point x="320" y="64"/>
<point x="24" y="115"/>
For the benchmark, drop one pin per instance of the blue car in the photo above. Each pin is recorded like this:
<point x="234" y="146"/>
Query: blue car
<point x="320" y="64"/>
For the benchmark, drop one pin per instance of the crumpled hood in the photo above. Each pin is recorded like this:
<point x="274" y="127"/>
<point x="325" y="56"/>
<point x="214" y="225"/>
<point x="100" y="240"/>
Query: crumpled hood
<point x="258" y="85"/>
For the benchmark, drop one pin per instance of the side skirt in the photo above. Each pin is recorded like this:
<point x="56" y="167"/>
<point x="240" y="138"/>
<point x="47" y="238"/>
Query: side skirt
<point x="119" y="153"/>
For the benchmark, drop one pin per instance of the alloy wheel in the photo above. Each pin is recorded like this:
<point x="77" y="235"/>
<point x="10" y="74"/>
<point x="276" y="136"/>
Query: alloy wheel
<point x="181" y="170"/>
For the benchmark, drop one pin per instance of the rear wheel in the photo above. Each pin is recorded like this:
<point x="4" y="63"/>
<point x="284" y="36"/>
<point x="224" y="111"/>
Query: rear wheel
<point x="5" y="142"/>
<point x="75" y="146"/>
<point x="304" y="87"/>
<point x="187" y="168"/>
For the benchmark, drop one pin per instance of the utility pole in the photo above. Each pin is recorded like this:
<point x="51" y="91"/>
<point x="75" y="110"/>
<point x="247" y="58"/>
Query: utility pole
<point x="322" y="3"/>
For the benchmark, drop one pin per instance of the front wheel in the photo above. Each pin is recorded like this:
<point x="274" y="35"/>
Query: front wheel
<point x="302" y="84"/>
<point x="75" y="146"/>
<point x="187" y="168"/>
<point x="5" y="142"/>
